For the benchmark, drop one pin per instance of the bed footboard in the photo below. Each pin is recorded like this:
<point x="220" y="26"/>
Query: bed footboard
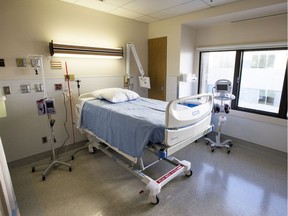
<point x="189" y="122"/>
<point x="177" y="117"/>
<point x="175" y="136"/>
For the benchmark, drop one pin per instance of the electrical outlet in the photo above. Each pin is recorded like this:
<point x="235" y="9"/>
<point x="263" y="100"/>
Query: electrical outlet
<point x="44" y="140"/>
<point x="58" y="86"/>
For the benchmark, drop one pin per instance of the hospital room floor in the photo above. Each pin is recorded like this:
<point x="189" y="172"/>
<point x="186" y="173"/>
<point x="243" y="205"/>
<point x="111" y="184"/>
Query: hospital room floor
<point x="250" y="181"/>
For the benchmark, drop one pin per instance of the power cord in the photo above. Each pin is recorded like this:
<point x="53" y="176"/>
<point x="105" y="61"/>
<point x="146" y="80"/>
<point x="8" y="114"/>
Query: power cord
<point x="67" y="133"/>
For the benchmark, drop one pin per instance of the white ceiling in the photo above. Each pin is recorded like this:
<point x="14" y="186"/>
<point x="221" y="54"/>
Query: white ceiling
<point x="148" y="11"/>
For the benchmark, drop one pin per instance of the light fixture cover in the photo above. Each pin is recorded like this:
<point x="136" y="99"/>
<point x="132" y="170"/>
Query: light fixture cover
<point x="84" y="50"/>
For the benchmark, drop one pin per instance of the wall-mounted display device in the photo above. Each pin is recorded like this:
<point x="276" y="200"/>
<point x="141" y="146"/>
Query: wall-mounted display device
<point x="46" y="107"/>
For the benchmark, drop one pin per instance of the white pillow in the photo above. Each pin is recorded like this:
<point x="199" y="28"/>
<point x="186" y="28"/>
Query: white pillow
<point x="115" y="95"/>
<point x="131" y="95"/>
<point x="96" y="94"/>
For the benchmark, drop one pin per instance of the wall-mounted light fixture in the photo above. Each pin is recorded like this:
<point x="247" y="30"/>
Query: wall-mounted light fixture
<point x="64" y="50"/>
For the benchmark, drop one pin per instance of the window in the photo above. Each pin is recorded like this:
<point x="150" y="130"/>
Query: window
<point x="214" y="66"/>
<point x="258" y="78"/>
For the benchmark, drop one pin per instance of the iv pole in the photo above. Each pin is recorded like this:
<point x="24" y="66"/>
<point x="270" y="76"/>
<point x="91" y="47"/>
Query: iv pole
<point x="37" y="63"/>
<point x="70" y="102"/>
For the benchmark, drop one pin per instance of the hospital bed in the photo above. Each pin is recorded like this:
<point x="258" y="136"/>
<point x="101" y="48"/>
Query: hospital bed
<point x="119" y="120"/>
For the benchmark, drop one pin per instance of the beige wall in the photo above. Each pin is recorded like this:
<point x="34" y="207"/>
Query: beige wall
<point x="173" y="31"/>
<point x="27" y="28"/>
<point x="264" y="30"/>
<point x="188" y="38"/>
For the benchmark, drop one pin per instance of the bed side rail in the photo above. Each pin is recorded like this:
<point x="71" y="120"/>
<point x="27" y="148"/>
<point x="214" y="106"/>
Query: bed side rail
<point x="178" y="116"/>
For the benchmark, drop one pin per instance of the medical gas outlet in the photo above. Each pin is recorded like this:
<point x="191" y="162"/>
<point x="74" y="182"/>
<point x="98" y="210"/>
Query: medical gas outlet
<point x="39" y="87"/>
<point x="25" y="89"/>
<point x="6" y="90"/>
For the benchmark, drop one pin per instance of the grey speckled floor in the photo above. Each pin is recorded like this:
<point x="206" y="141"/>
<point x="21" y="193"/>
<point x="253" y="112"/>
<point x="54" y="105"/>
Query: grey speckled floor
<point x="250" y="181"/>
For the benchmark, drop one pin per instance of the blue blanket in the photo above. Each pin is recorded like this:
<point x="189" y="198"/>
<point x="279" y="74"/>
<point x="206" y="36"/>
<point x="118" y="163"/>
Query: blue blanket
<point x="128" y="126"/>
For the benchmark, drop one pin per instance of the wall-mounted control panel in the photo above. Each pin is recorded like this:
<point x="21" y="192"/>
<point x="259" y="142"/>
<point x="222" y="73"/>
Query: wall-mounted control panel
<point x="46" y="107"/>
<point x="21" y="62"/>
<point x="39" y="87"/>
<point x="2" y="63"/>
<point x="35" y="62"/>
<point x="25" y="88"/>
<point x="6" y="90"/>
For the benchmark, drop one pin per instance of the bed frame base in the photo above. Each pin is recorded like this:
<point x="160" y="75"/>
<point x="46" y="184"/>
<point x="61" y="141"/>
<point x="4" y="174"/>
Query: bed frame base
<point x="153" y="186"/>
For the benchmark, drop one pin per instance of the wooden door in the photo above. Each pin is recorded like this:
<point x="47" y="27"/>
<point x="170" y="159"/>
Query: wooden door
<point x="157" y="66"/>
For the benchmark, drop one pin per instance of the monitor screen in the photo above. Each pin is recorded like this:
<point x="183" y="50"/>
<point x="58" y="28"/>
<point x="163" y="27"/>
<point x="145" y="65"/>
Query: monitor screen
<point x="222" y="87"/>
<point x="49" y="104"/>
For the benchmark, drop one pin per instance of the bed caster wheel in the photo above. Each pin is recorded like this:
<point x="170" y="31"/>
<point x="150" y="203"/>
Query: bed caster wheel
<point x="228" y="151"/>
<point x="230" y="144"/>
<point x="70" y="169"/>
<point x="43" y="178"/>
<point x="154" y="200"/>
<point x="212" y="149"/>
<point x="33" y="169"/>
<point x="188" y="173"/>
<point x="206" y="142"/>
<point x="72" y="157"/>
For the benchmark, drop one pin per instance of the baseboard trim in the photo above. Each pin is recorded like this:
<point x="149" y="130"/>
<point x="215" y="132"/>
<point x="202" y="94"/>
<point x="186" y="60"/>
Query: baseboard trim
<point x="45" y="155"/>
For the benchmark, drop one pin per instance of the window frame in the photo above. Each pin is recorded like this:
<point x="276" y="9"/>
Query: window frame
<point x="282" y="112"/>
